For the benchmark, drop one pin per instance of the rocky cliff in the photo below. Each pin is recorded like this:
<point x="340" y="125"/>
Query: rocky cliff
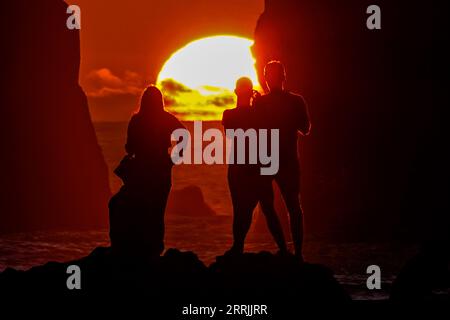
<point x="53" y="171"/>
<point x="364" y="166"/>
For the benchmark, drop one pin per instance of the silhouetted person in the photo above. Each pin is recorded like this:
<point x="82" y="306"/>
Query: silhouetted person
<point x="280" y="109"/>
<point x="247" y="186"/>
<point x="137" y="211"/>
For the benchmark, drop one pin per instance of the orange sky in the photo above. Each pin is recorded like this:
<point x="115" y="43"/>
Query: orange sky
<point x="124" y="44"/>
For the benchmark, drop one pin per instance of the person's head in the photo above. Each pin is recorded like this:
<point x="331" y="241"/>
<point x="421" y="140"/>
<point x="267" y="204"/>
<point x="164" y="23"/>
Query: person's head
<point x="275" y="75"/>
<point x="244" y="90"/>
<point x="151" y="100"/>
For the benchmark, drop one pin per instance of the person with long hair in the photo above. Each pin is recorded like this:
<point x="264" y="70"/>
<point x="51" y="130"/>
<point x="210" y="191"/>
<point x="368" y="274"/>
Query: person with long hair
<point x="149" y="179"/>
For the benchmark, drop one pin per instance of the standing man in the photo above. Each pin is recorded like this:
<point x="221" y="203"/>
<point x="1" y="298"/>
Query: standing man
<point x="247" y="187"/>
<point x="283" y="110"/>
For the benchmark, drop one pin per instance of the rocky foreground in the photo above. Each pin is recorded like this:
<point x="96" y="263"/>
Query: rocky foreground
<point x="181" y="276"/>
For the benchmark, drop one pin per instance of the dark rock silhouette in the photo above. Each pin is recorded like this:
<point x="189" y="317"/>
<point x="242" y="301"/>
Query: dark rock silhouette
<point x="52" y="166"/>
<point x="369" y="97"/>
<point x="188" y="201"/>
<point x="177" y="275"/>
<point x="424" y="275"/>
<point x="265" y="274"/>
<point x="174" y="273"/>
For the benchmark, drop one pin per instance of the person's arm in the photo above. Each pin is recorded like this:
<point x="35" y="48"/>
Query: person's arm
<point x="303" y="124"/>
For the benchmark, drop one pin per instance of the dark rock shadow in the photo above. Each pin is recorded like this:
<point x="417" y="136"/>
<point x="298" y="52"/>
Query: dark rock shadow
<point x="180" y="276"/>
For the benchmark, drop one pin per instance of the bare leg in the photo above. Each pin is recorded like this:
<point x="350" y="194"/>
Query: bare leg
<point x="273" y="223"/>
<point x="296" y="222"/>
<point x="244" y="202"/>
<point x="242" y="220"/>
<point x="289" y="187"/>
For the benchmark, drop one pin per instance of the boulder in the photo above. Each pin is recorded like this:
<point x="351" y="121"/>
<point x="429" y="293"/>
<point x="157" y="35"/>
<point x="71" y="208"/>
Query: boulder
<point x="188" y="201"/>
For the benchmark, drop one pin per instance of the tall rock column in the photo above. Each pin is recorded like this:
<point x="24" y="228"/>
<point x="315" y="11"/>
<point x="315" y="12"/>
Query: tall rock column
<point x="368" y="93"/>
<point x="53" y="172"/>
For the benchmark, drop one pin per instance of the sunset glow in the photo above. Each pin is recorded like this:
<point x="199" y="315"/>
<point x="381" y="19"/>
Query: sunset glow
<point x="198" y="80"/>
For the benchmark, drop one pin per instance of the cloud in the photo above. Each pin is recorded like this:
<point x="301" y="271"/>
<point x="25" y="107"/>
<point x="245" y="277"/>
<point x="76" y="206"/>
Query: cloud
<point x="206" y="102"/>
<point x="170" y="101"/>
<point x="103" y="83"/>
<point x="117" y="96"/>
<point x="221" y="101"/>
<point x="173" y="88"/>
<point x="195" y="115"/>
<point x="212" y="88"/>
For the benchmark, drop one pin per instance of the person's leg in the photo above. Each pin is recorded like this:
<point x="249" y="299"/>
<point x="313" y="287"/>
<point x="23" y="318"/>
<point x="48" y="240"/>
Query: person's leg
<point x="161" y="204"/>
<point x="242" y="220"/>
<point x="118" y="222"/>
<point x="289" y="184"/>
<point x="154" y="201"/>
<point x="268" y="209"/>
<point x="243" y="204"/>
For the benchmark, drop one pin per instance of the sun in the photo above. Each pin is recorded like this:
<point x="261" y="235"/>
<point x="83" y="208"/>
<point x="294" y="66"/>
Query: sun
<point x="198" y="80"/>
<point x="214" y="61"/>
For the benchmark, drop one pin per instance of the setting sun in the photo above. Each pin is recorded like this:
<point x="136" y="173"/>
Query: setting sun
<point x="198" y="80"/>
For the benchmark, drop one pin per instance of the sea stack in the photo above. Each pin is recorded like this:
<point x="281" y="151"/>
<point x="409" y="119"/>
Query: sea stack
<point x="368" y="93"/>
<point x="53" y="172"/>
